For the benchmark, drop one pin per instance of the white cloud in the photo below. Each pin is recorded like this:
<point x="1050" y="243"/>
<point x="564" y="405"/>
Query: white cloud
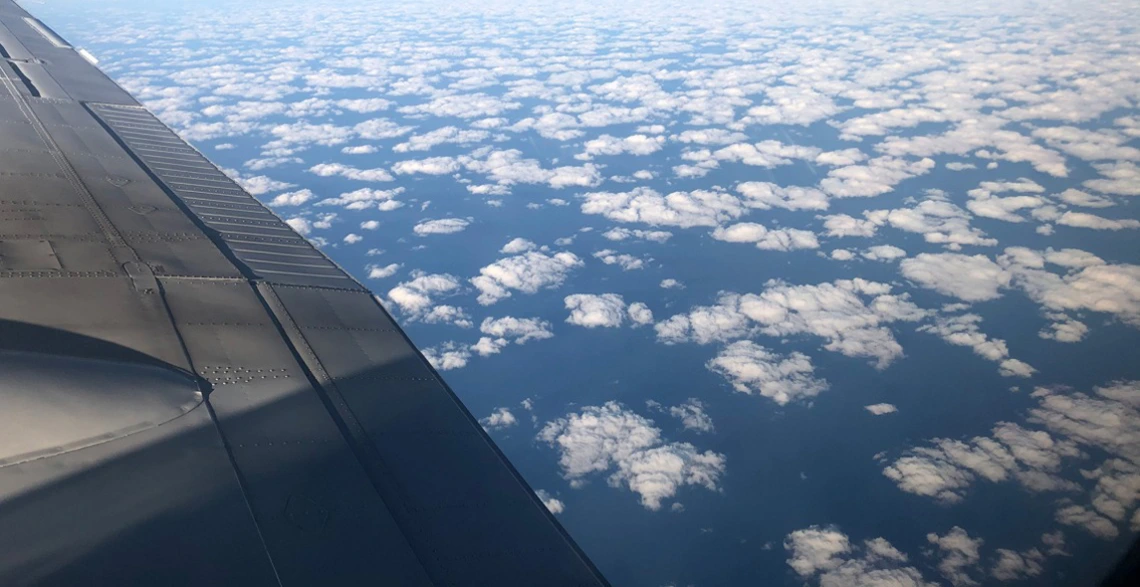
<point x="590" y="310"/>
<point x="331" y="169"/>
<point x="621" y="233"/>
<point x="843" y="225"/>
<point x="499" y="419"/>
<point x="693" y="416"/>
<point x="440" y="136"/>
<point x="709" y="136"/>
<point x="461" y="106"/>
<point x="1122" y="179"/>
<point x="1014" y="566"/>
<point x="625" y="261"/>
<point x="292" y="198"/>
<point x="833" y="311"/>
<point x="1085" y="199"/>
<point x="448" y="356"/>
<point x="258" y="184"/>
<point x="301" y="225"/>
<point x="960" y="555"/>
<point x="517" y="330"/>
<point x="611" y="439"/>
<point x="518" y="245"/>
<point x="527" y="273"/>
<point x="778" y="239"/>
<point x="671" y="284"/>
<point x="792" y="105"/>
<point x="552" y="503"/>
<point x="416" y="297"/>
<point x="640" y="314"/>
<point x="1085" y="220"/>
<point x="883" y="253"/>
<point x="753" y="369"/>
<point x="1069" y="425"/>
<point x="764" y="195"/>
<point x="428" y="166"/>
<point x="352" y="238"/>
<point x="364" y="105"/>
<point x="359" y="150"/>
<point x="382" y="271"/>
<point x="683" y="209"/>
<point x="1088" y="284"/>
<point x="370" y="225"/>
<point x="634" y="145"/>
<point x="963" y="331"/>
<point x="972" y="278"/>
<point x="880" y="409"/>
<point x="365" y="198"/>
<point x="878" y="176"/>
<point x="509" y="167"/>
<point x="826" y="554"/>
<point x="441" y="226"/>
<point x="937" y="219"/>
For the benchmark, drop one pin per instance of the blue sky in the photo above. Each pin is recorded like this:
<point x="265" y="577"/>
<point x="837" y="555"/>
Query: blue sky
<point x="800" y="293"/>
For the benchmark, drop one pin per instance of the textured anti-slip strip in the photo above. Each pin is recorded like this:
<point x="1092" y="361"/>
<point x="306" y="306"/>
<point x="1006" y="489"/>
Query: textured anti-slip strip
<point x="202" y="188"/>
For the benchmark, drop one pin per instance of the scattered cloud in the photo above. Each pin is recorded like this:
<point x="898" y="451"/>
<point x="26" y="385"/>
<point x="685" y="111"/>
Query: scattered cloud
<point x="612" y="439"/>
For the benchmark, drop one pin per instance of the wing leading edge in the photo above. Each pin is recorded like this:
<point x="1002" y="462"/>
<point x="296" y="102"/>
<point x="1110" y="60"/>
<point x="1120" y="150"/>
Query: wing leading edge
<point x="198" y="395"/>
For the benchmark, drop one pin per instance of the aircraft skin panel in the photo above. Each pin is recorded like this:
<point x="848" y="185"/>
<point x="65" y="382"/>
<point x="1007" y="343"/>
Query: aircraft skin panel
<point x="218" y="402"/>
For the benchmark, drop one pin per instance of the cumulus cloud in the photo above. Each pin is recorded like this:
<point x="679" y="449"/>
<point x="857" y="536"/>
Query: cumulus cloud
<point x="518" y="245"/>
<point x="626" y="261"/>
<point x="693" y="416"/>
<point x="499" y="419"/>
<point x="883" y="253"/>
<point x="971" y="278"/>
<point x="528" y="272"/>
<point x="555" y="505"/>
<point x="365" y="198"/>
<point x="447" y="356"/>
<point x="592" y="311"/>
<point x="612" y="439"/>
<point x="959" y="556"/>
<point x="429" y="166"/>
<point x="764" y="195"/>
<point x="638" y="144"/>
<point x="647" y="206"/>
<point x="382" y="271"/>
<point x="774" y="239"/>
<point x="415" y="297"/>
<point x="509" y="167"/>
<point x="881" y="409"/>
<point x="843" y="225"/>
<point x="834" y="311"/>
<point x="621" y="233"/>
<point x="1088" y="282"/>
<point x="963" y="331"/>
<point x="292" y="198"/>
<point x="347" y="171"/>
<point x="1085" y="220"/>
<point x="1085" y="199"/>
<point x="441" y="226"/>
<point x="503" y="331"/>
<point x="937" y="219"/>
<point x="753" y="369"/>
<point x="827" y="555"/>
<point x="878" y="176"/>
<point x="1104" y="427"/>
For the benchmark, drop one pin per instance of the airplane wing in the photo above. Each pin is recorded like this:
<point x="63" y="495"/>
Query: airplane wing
<point x="191" y="393"/>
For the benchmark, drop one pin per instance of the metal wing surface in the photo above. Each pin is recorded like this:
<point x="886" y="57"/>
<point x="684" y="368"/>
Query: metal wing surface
<point x="190" y="393"/>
